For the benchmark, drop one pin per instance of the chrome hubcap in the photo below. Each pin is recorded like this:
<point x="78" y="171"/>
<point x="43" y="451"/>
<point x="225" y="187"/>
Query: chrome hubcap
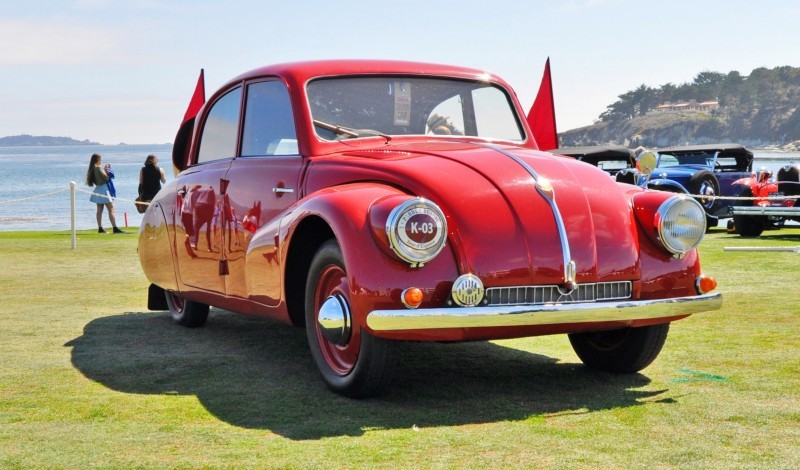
<point x="334" y="320"/>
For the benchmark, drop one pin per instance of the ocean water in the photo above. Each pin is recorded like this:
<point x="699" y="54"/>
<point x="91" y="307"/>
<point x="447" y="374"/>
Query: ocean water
<point x="34" y="194"/>
<point x="30" y="174"/>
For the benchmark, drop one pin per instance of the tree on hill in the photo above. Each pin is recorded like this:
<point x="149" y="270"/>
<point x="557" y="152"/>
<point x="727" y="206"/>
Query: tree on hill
<point x="760" y="109"/>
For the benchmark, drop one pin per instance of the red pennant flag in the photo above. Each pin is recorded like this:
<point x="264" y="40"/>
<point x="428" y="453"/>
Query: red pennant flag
<point x="542" y="116"/>
<point x="183" y="140"/>
<point x="198" y="99"/>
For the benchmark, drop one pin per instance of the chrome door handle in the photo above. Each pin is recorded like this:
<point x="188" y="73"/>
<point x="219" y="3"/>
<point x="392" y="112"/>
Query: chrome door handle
<point x="282" y="190"/>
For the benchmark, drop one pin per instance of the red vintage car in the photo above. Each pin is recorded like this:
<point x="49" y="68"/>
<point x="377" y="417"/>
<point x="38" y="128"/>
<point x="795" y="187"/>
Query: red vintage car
<point x="767" y="202"/>
<point x="373" y="202"/>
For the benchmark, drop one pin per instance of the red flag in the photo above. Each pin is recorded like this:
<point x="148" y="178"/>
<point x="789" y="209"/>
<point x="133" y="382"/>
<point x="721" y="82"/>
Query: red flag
<point x="542" y="116"/>
<point x="183" y="140"/>
<point x="198" y="99"/>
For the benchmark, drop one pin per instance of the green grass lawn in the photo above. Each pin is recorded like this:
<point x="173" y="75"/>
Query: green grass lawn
<point x="89" y="377"/>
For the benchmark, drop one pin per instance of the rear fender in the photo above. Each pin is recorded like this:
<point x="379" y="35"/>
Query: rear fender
<point x="156" y="253"/>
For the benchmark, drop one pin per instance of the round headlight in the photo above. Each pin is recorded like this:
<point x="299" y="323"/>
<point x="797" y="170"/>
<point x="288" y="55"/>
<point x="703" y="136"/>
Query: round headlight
<point x="416" y="230"/>
<point x="681" y="223"/>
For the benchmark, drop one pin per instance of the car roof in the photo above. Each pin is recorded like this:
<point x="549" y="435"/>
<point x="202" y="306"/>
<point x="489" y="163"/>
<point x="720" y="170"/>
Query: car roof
<point x="734" y="150"/>
<point x="301" y="72"/>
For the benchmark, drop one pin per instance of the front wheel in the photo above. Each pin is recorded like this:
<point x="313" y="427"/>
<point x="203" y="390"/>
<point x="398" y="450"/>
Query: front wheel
<point x="352" y="362"/>
<point x="186" y="312"/>
<point x="626" y="350"/>
<point x="748" y="225"/>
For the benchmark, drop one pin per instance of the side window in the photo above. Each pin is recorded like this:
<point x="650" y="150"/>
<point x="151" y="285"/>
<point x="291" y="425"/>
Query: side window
<point x="218" y="139"/>
<point x="268" y="121"/>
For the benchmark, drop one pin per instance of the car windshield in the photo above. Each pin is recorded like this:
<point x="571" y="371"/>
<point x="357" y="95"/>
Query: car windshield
<point x="353" y="107"/>
<point x="667" y="160"/>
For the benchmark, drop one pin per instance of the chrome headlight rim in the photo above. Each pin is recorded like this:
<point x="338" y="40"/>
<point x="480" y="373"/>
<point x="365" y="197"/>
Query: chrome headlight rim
<point x="407" y="249"/>
<point x="663" y="216"/>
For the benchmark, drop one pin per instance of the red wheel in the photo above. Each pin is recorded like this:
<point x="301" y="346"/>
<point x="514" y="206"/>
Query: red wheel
<point x="352" y="362"/>
<point x="341" y="358"/>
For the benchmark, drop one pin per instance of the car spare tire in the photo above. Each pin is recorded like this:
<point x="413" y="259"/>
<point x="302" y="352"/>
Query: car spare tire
<point x="705" y="187"/>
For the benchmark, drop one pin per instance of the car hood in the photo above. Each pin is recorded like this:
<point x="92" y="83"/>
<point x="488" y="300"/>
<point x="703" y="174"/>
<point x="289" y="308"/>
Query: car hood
<point x="500" y="227"/>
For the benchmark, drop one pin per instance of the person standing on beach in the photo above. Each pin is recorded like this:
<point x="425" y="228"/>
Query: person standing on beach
<point x="98" y="176"/>
<point x="150" y="178"/>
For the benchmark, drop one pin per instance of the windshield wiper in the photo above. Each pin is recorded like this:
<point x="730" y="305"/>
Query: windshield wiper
<point x="337" y="129"/>
<point x="350" y="132"/>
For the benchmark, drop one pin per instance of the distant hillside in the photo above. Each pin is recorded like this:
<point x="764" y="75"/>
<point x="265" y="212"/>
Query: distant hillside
<point x="25" y="140"/>
<point x="760" y="110"/>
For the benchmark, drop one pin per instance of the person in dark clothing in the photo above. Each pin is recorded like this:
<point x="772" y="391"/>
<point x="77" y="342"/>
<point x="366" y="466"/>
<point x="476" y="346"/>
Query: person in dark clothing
<point x="150" y="178"/>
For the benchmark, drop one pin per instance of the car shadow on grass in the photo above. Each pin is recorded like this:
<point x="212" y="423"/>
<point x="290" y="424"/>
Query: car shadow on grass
<point x="259" y="374"/>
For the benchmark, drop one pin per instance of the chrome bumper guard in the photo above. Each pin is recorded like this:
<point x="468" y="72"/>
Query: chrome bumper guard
<point x="766" y="210"/>
<point x="533" y="315"/>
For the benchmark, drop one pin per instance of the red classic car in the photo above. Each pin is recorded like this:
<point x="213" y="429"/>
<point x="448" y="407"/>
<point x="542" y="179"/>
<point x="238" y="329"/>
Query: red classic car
<point x="373" y="202"/>
<point x="776" y="201"/>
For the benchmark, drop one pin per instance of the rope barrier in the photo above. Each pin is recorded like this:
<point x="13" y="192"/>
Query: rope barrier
<point x="87" y="191"/>
<point x="39" y="196"/>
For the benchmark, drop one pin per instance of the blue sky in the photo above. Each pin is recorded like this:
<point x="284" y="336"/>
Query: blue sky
<point x="123" y="71"/>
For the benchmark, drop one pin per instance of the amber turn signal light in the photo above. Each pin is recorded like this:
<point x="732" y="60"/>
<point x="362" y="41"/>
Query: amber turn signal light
<point x="705" y="284"/>
<point x="412" y="297"/>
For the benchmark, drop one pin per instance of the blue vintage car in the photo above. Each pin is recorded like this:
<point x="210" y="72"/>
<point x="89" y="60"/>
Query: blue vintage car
<point x="704" y="170"/>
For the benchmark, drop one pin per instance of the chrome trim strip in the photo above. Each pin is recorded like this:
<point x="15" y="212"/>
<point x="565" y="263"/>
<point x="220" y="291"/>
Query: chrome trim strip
<point x="768" y="210"/>
<point x="550" y="196"/>
<point x="527" y="315"/>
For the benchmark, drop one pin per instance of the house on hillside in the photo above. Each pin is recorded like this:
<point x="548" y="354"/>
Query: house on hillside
<point x="691" y="106"/>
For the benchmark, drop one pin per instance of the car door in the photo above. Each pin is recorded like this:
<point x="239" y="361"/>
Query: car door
<point x="262" y="182"/>
<point x="200" y="194"/>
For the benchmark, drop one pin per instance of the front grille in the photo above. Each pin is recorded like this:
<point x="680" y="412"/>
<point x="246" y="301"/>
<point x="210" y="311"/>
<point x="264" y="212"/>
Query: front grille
<point x="537" y="295"/>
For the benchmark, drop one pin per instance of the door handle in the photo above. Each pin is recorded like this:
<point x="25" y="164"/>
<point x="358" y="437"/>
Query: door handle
<point x="282" y="190"/>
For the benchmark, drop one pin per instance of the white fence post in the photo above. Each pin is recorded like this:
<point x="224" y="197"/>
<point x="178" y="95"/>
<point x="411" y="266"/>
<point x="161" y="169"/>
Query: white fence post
<point x="72" y="212"/>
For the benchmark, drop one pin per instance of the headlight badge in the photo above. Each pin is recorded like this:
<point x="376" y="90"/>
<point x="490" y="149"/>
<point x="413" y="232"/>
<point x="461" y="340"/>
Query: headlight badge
<point x="681" y="224"/>
<point x="417" y="231"/>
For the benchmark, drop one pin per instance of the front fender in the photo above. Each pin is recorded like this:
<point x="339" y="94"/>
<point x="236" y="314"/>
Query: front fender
<point x="376" y="277"/>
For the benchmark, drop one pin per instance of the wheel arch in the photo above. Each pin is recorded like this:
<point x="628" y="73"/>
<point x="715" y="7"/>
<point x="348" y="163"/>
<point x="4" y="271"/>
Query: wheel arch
<point x="308" y="236"/>
<point x="340" y="213"/>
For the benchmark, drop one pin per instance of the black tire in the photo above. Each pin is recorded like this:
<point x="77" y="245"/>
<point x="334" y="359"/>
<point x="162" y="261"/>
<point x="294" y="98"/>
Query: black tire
<point x="748" y="225"/>
<point x="704" y="183"/>
<point x="362" y="366"/>
<point x="186" y="312"/>
<point x="626" y="350"/>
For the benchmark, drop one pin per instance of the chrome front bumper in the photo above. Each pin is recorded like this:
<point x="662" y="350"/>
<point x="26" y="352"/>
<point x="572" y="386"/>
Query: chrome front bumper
<point x="534" y="315"/>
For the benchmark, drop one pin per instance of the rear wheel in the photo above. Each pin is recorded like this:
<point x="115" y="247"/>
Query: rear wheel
<point x="626" y="350"/>
<point x="748" y="225"/>
<point x="186" y="312"/>
<point x="352" y="362"/>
